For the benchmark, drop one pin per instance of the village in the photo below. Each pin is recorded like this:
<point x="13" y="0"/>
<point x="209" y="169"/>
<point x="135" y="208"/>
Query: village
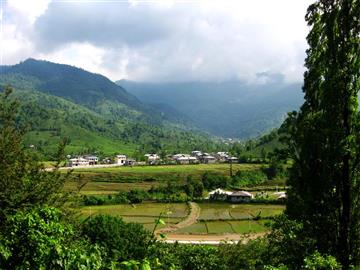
<point x="196" y="157"/>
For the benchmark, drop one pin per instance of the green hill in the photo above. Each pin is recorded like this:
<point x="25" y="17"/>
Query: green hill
<point x="94" y="113"/>
<point x="71" y="83"/>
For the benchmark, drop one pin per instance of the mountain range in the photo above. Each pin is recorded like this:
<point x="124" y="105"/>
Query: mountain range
<point x="227" y="109"/>
<point x="100" y="116"/>
<point x="95" y="113"/>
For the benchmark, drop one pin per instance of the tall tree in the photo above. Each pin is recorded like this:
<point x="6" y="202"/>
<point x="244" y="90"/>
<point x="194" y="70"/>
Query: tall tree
<point x="24" y="182"/>
<point x="325" y="134"/>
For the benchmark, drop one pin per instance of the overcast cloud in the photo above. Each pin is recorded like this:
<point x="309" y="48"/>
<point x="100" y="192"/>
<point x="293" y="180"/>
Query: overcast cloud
<point x="160" y="40"/>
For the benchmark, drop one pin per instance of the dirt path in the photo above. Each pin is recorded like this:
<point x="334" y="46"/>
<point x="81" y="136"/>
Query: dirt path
<point x="189" y="220"/>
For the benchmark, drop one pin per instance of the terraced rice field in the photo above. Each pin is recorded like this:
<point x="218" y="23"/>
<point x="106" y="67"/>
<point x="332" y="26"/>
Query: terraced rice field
<point x="225" y="218"/>
<point x="226" y="211"/>
<point x="144" y="213"/>
<point x="215" y="218"/>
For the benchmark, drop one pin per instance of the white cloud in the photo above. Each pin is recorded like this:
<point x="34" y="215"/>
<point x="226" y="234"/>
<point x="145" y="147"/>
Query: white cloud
<point x="164" y="40"/>
<point x="31" y="9"/>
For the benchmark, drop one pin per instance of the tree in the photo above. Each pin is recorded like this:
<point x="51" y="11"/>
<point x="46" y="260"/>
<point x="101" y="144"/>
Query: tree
<point x="194" y="188"/>
<point x="121" y="241"/>
<point x="37" y="239"/>
<point x="24" y="182"/>
<point x="325" y="134"/>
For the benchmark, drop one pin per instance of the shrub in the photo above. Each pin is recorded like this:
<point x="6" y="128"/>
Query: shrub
<point x="248" y="178"/>
<point x="37" y="239"/>
<point x="121" y="241"/>
<point x="212" y="181"/>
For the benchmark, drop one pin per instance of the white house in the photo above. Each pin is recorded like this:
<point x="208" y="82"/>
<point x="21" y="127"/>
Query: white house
<point x="240" y="196"/>
<point x="120" y="160"/>
<point x="196" y="154"/>
<point x="232" y="159"/>
<point x="74" y="162"/>
<point x="93" y="160"/>
<point x="208" y="159"/>
<point x="222" y="156"/>
<point x="219" y="194"/>
<point x="152" y="158"/>
<point x="184" y="159"/>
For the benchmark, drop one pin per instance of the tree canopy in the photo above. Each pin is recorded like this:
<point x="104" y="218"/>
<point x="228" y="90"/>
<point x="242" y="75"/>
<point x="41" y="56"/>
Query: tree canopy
<point x="324" y="135"/>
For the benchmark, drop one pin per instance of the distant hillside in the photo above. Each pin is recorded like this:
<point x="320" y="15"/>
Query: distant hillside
<point x="71" y="83"/>
<point x="228" y="109"/>
<point x="96" y="114"/>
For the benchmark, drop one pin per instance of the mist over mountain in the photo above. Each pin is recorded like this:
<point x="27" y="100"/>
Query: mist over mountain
<point x="228" y="109"/>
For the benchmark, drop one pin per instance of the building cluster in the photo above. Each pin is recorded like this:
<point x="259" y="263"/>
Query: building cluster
<point x="196" y="157"/>
<point x="240" y="196"/>
<point x="83" y="161"/>
<point x="232" y="196"/>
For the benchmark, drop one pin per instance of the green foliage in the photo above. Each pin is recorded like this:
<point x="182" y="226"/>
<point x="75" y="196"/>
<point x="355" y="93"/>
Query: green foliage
<point x="137" y="195"/>
<point x="324" y="136"/>
<point x="318" y="262"/>
<point x="212" y="180"/>
<point x="23" y="181"/>
<point x="121" y="241"/>
<point x="96" y="114"/>
<point x="287" y="243"/>
<point x="64" y="80"/>
<point x="244" y="256"/>
<point x="194" y="188"/>
<point x="248" y="178"/>
<point x="276" y="169"/>
<point x="187" y="257"/>
<point x="37" y="239"/>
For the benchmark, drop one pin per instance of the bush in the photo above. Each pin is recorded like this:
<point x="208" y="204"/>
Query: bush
<point x="187" y="257"/>
<point x="248" y="178"/>
<point x="37" y="239"/>
<point x="212" y="181"/>
<point x="137" y="196"/>
<point x="244" y="256"/>
<point x="318" y="262"/>
<point x="121" y="241"/>
<point x="93" y="200"/>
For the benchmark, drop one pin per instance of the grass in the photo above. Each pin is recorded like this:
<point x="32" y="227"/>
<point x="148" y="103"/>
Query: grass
<point x="188" y="169"/>
<point x="108" y="188"/>
<point x="80" y="139"/>
<point x="103" y="181"/>
<point x="157" y="173"/>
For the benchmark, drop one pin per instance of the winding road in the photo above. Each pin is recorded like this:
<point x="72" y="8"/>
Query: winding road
<point x="189" y="220"/>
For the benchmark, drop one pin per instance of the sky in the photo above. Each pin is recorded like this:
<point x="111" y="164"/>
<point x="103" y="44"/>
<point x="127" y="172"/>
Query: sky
<point x="160" y="41"/>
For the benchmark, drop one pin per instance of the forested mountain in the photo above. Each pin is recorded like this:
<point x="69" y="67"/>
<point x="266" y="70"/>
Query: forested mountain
<point x="71" y="83"/>
<point x="228" y="109"/>
<point x="94" y="113"/>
